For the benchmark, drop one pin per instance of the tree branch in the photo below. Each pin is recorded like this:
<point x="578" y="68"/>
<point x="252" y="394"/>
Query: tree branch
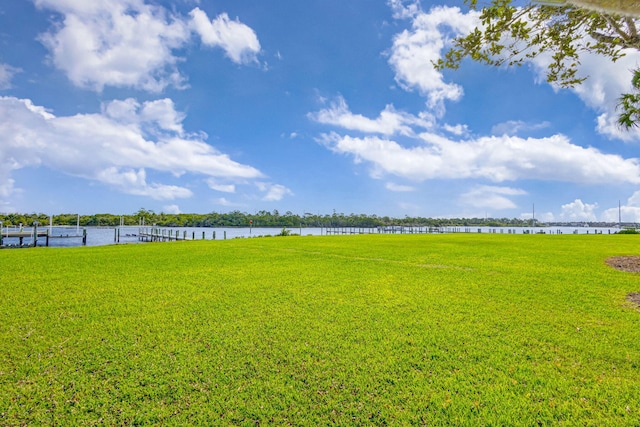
<point x="617" y="28"/>
<point x="603" y="38"/>
<point x="631" y="25"/>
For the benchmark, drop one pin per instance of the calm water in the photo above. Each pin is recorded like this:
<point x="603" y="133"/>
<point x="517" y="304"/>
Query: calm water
<point x="107" y="236"/>
<point x="72" y="236"/>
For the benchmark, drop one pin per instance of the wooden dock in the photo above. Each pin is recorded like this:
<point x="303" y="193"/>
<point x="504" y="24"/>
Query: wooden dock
<point x="29" y="237"/>
<point x="396" y="229"/>
<point x="157" y="234"/>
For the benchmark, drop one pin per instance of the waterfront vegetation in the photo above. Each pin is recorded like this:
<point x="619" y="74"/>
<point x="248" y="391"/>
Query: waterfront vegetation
<point x="458" y="329"/>
<point x="258" y="219"/>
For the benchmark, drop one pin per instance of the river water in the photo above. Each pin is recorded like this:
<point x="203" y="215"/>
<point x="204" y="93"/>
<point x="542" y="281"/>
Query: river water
<point x="98" y="236"/>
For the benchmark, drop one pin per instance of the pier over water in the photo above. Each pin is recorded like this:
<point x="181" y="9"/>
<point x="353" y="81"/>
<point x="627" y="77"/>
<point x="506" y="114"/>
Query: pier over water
<point x="30" y="237"/>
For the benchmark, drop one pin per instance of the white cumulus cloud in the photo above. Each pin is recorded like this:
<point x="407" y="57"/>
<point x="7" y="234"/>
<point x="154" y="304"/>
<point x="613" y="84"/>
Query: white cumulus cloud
<point x="389" y="122"/>
<point x="578" y="211"/>
<point x="155" y="116"/>
<point x="414" y="52"/>
<point x="539" y="216"/>
<point x="494" y="197"/>
<point x="238" y="40"/>
<point x="132" y="181"/>
<point x="216" y="185"/>
<point x="496" y="159"/>
<point x="403" y="9"/>
<point x="628" y="212"/>
<point x="273" y="192"/>
<point x="131" y="43"/>
<point x="397" y="144"/>
<point x="458" y="130"/>
<point x="124" y="43"/>
<point x="171" y="209"/>
<point x="606" y="82"/>
<point x="112" y="148"/>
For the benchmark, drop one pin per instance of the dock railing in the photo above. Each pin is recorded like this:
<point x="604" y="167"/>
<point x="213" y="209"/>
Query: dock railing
<point x="28" y="237"/>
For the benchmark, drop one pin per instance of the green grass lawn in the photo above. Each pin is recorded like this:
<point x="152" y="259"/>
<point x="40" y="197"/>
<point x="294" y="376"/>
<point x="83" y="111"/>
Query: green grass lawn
<point x="460" y="329"/>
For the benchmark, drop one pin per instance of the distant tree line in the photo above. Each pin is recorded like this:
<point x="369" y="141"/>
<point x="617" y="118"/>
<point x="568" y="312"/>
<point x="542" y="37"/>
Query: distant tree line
<point x="258" y="219"/>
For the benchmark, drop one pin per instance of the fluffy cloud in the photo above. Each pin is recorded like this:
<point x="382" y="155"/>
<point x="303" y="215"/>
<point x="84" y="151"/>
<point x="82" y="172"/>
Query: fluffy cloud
<point x="578" y="211"/>
<point x="131" y="181"/>
<point x="389" y="122"/>
<point x="274" y="192"/>
<point x="496" y="159"/>
<point x="458" y="130"/>
<point x="154" y="116"/>
<point x="113" y="148"/>
<point x="539" y="216"/>
<point x="398" y="144"/>
<point x="117" y="43"/>
<point x="216" y="185"/>
<point x="606" y="81"/>
<point x="237" y="39"/>
<point x="171" y="209"/>
<point x="403" y="9"/>
<point x="129" y="43"/>
<point x="629" y="212"/>
<point x="414" y="52"/>
<point x="485" y="196"/>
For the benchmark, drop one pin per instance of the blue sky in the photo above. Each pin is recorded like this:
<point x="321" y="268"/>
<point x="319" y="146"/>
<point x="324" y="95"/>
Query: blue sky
<point x="314" y="106"/>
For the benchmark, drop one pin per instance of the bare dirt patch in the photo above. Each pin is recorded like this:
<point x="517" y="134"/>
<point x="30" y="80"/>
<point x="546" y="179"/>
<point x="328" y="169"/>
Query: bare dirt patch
<point x="634" y="298"/>
<point x="630" y="264"/>
<point x="625" y="263"/>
